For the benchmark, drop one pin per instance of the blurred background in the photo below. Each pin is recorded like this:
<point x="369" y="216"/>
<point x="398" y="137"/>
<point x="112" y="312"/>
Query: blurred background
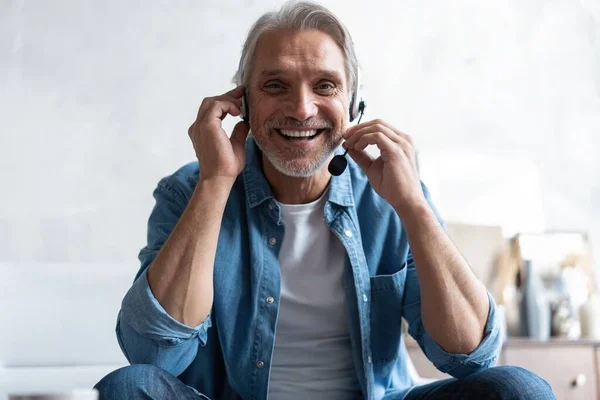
<point x="502" y="99"/>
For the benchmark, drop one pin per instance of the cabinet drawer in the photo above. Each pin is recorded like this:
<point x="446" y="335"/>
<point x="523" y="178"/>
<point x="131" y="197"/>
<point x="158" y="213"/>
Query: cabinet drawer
<point x="570" y="370"/>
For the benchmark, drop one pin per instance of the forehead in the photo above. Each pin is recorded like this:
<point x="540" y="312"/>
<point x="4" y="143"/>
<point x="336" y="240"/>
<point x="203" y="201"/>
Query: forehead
<point x="305" y="52"/>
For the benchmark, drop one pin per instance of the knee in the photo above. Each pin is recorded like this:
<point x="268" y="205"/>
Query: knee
<point x="129" y="382"/>
<point x="509" y="382"/>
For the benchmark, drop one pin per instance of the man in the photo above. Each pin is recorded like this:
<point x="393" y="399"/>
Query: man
<point x="264" y="276"/>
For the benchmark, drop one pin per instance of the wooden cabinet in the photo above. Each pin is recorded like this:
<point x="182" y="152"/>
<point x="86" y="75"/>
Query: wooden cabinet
<point x="572" y="368"/>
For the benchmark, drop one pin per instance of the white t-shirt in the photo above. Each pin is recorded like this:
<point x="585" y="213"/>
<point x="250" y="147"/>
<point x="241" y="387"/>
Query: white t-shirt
<point x="312" y="358"/>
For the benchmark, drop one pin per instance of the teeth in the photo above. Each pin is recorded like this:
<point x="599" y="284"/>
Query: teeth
<point x="298" y="133"/>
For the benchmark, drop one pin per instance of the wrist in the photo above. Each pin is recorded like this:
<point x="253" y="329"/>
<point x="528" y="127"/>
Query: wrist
<point x="218" y="188"/>
<point x="413" y="212"/>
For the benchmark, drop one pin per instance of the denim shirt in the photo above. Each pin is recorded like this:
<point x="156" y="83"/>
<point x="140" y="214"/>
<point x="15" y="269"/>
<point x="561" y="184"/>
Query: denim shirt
<point x="228" y="356"/>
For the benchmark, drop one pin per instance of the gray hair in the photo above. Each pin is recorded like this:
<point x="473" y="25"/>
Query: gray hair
<point x="299" y="16"/>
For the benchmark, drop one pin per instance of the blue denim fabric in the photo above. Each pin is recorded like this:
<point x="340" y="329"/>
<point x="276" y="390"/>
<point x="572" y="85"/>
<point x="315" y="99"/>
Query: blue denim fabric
<point x="498" y="383"/>
<point x="143" y="381"/>
<point x="229" y="354"/>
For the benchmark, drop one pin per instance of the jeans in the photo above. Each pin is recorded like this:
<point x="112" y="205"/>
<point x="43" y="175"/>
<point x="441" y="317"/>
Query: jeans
<point x="499" y="383"/>
<point x="143" y="381"/>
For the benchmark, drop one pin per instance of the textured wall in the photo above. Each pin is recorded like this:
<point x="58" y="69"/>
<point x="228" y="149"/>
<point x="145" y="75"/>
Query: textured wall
<point x="96" y="98"/>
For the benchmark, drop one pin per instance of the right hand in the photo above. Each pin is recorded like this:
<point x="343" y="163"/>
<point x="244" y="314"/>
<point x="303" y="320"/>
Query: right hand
<point x="219" y="156"/>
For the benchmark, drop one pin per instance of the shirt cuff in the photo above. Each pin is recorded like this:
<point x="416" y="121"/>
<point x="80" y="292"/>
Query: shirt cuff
<point x="143" y="312"/>
<point x="460" y="365"/>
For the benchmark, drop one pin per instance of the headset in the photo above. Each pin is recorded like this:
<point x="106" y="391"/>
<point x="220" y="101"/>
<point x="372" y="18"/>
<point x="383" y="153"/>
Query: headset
<point x="357" y="109"/>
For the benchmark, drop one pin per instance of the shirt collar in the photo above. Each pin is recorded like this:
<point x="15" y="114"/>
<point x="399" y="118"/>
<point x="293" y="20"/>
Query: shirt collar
<point x="258" y="189"/>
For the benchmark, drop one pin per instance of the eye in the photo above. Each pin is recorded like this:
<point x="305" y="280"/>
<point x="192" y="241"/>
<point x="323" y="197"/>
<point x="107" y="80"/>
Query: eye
<point x="273" y="86"/>
<point x="326" y="86"/>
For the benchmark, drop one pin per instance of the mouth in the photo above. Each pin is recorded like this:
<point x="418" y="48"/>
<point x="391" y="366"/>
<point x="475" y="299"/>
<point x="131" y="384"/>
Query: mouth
<point x="299" y="135"/>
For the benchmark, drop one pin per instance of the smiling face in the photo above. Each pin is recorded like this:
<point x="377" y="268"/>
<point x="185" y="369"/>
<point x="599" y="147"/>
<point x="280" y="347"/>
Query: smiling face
<point x="298" y="95"/>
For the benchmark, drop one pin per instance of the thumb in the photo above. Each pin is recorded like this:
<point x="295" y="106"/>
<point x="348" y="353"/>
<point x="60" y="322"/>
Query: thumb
<point x="362" y="158"/>
<point x="238" y="137"/>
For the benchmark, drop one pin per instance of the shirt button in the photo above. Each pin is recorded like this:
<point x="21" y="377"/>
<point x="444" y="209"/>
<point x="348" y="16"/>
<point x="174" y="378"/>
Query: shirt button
<point x="369" y="360"/>
<point x="272" y="241"/>
<point x="260" y="364"/>
<point x="348" y="233"/>
<point x="271" y="206"/>
<point x="365" y="299"/>
<point x="270" y="300"/>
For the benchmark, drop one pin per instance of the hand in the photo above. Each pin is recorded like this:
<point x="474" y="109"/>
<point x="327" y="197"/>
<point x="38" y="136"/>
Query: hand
<point x="218" y="155"/>
<point x="393" y="174"/>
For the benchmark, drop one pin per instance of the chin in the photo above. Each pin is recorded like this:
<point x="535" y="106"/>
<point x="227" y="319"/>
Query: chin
<point x="297" y="168"/>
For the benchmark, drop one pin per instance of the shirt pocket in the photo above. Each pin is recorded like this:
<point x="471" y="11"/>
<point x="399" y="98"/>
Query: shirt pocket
<point x="386" y="316"/>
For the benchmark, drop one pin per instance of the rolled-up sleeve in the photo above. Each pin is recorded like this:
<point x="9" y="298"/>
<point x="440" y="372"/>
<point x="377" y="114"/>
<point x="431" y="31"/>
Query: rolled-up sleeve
<point x="143" y="312"/>
<point x="145" y="331"/>
<point x="458" y="365"/>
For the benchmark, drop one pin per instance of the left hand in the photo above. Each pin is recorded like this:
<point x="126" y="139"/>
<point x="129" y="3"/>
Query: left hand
<point x="393" y="174"/>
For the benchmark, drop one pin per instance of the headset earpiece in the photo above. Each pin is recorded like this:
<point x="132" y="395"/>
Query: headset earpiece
<point x="244" y="110"/>
<point x="357" y="105"/>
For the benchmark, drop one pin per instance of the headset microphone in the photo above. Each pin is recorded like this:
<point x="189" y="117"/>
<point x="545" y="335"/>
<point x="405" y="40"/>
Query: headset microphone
<point x="339" y="163"/>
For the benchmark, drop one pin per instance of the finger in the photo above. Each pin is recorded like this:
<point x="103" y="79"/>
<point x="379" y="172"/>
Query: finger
<point x="238" y="138"/>
<point x="397" y="131"/>
<point x="379" y="139"/>
<point x="233" y="95"/>
<point x="350" y="131"/>
<point x="208" y="104"/>
<point x="236" y="92"/>
<point x="219" y="109"/>
<point x="236" y="100"/>
<point x="352" y="140"/>
<point x="191" y="132"/>
<point x="362" y="158"/>
<point x="407" y="147"/>
<point x="353" y="129"/>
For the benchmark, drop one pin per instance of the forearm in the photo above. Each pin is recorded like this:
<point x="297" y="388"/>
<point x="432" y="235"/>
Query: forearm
<point x="454" y="303"/>
<point x="181" y="275"/>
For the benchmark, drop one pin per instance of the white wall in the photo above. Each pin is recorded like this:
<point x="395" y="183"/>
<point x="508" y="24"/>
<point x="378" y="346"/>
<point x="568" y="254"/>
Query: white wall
<point x="96" y="98"/>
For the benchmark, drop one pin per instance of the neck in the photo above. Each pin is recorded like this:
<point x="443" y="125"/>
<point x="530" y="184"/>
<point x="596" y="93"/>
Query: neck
<point x="292" y="190"/>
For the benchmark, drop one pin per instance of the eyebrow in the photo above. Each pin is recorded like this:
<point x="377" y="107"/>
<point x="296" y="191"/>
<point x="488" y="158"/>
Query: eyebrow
<point x="327" y="73"/>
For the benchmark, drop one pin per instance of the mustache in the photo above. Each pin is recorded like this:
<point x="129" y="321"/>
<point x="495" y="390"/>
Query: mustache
<point x="313" y="123"/>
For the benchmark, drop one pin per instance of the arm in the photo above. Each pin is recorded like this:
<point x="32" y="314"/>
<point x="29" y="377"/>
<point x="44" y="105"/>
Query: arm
<point x="454" y="303"/>
<point x="166" y="312"/>
<point x="146" y="331"/>
<point x="181" y="275"/>
<point x="451" y="305"/>
<point x="456" y="363"/>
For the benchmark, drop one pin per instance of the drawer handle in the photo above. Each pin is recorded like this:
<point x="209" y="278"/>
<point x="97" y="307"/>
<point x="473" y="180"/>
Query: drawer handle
<point x="579" y="380"/>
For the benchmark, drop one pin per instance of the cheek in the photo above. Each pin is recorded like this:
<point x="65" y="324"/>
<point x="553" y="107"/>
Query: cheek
<point x="341" y="116"/>
<point x="261" y="111"/>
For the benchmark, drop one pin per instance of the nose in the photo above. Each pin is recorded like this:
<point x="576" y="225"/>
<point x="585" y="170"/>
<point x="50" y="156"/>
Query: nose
<point x="301" y="104"/>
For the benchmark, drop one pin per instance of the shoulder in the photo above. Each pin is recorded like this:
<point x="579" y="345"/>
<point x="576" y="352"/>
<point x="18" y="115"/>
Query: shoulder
<point x="181" y="183"/>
